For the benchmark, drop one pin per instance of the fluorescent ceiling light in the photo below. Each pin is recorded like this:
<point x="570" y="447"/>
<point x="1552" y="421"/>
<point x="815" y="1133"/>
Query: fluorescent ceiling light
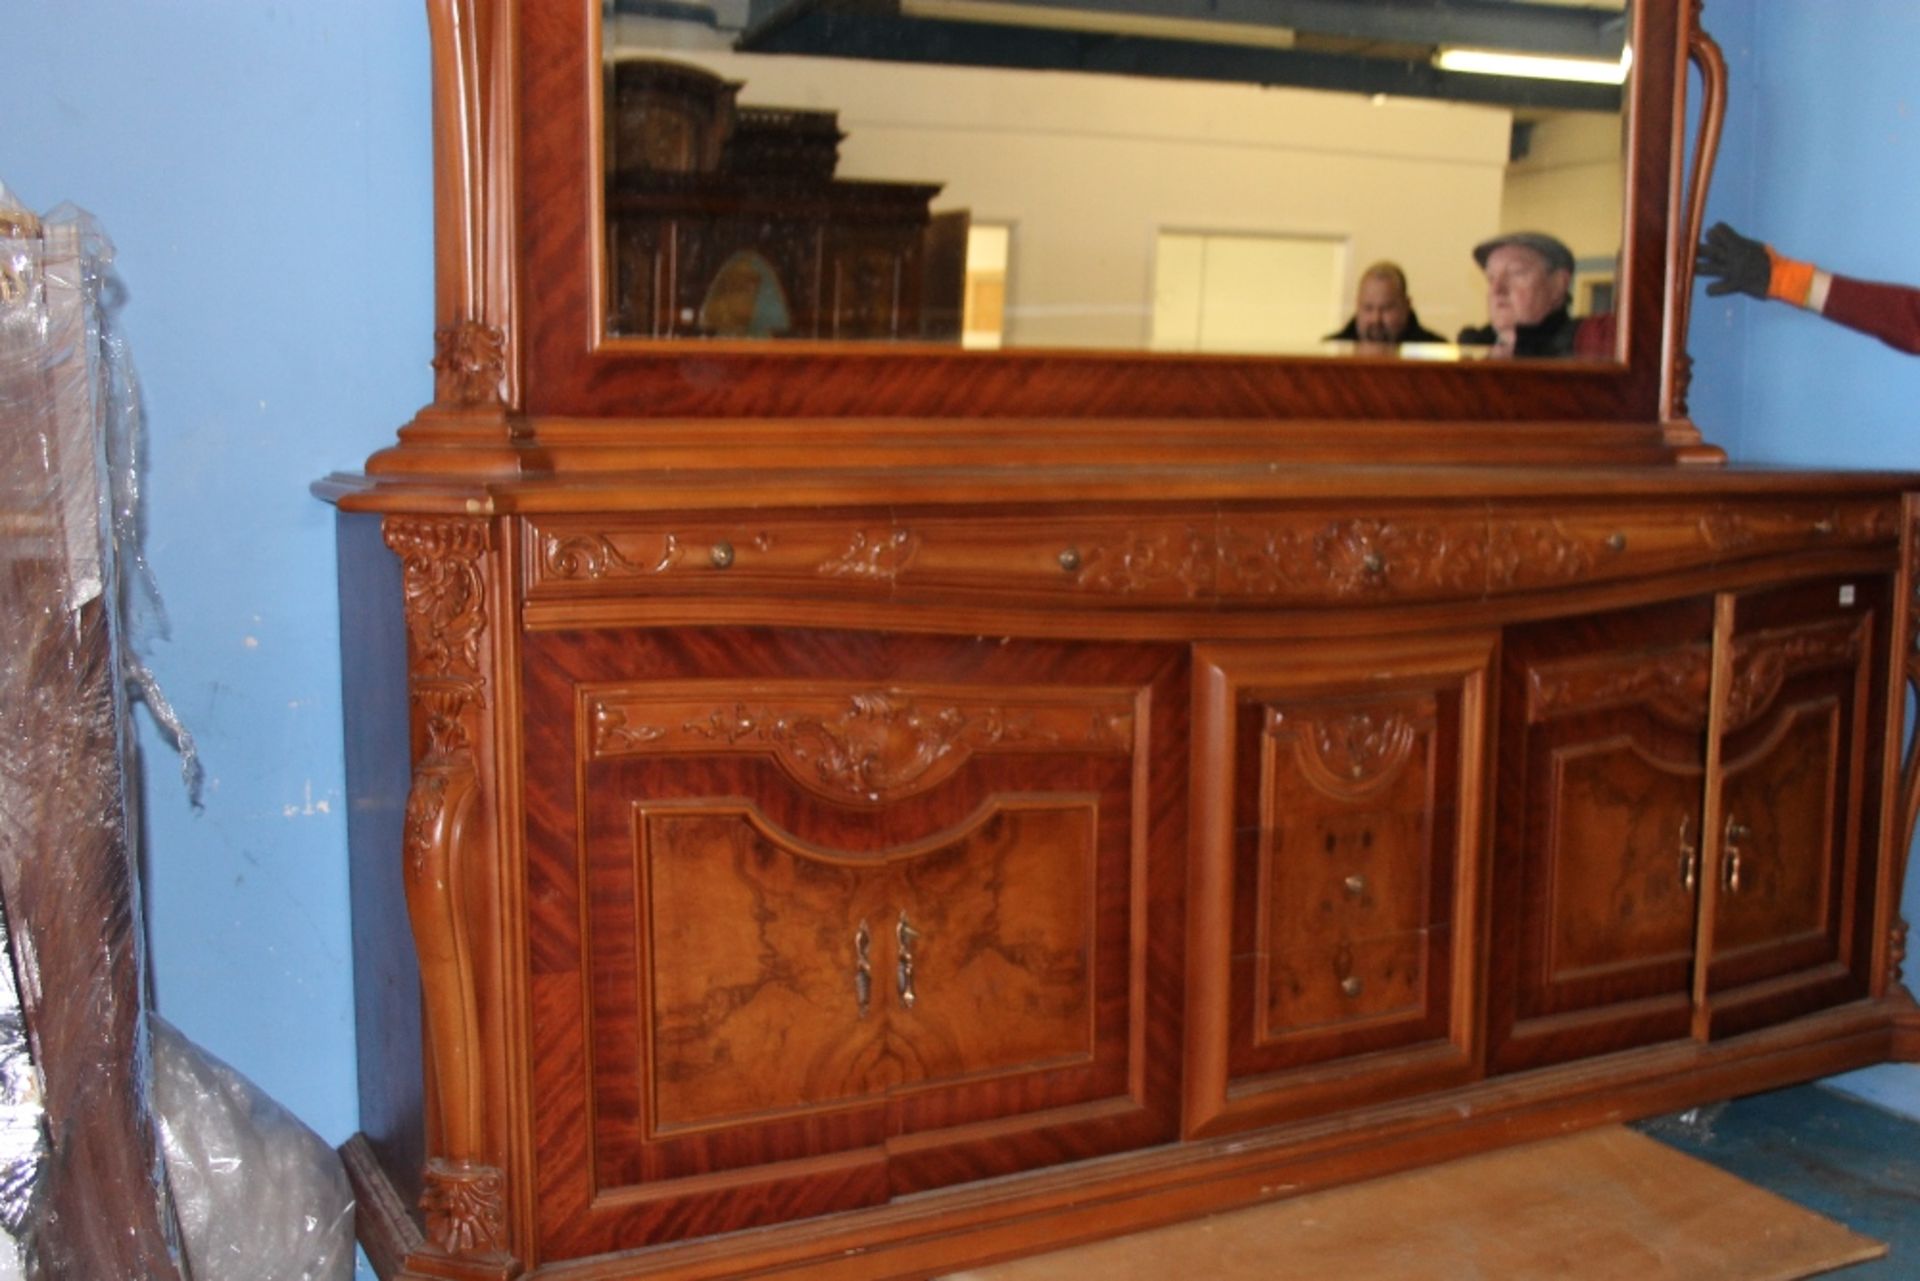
<point x="1014" y="13"/>
<point x="1491" y="62"/>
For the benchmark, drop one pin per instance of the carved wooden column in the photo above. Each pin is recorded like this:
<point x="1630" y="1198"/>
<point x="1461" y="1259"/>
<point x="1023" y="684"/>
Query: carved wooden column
<point x="451" y="871"/>
<point x="471" y="426"/>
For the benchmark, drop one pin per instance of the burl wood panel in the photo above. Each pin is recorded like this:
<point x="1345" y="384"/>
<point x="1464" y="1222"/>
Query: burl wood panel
<point x="1797" y="866"/>
<point x="1598" y="850"/>
<point x="828" y="916"/>
<point x="1352" y="857"/>
<point x="808" y="957"/>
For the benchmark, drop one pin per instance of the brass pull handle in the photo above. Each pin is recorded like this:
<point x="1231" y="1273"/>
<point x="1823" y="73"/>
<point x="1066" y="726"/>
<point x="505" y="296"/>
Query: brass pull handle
<point x="904" y="934"/>
<point x="721" y="554"/>
<point x="863" y="968"/>
<point x="1689" y="857"/>
<point x="1736" y="833"/>
<point x="1351" y="985"/>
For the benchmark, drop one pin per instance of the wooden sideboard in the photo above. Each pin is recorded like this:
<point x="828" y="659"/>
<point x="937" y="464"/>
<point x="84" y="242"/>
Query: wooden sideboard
<point x="782" y="847"/>
<point x="856" y="810"/>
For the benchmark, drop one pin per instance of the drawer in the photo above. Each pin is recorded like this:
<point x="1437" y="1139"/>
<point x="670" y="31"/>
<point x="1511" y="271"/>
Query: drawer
<point x="1165" y="560"/>
<point x="587" y="557"/>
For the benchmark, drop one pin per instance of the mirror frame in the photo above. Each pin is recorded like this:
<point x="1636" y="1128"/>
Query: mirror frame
<point x="519" y="254"/>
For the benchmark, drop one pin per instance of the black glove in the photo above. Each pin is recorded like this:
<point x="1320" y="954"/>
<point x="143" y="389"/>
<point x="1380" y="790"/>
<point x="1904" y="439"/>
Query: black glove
<point x="1733" y="263"/>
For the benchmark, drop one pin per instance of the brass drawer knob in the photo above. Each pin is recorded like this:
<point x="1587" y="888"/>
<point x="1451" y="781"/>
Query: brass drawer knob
<point x="1069" y="559"/>
<point x="1356" y="885"/>
<point x="1616" y="542"/>
<point x="721" y="554"/>
<point x="1350" y="985"/>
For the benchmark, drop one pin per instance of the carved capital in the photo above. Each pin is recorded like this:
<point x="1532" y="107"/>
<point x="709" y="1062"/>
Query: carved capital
<point x="445" y="592"/>
<point x="1348" y="754"/>
<point x="471" y="361"/>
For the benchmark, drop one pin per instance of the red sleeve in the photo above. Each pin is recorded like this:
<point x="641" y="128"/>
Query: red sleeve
<point x="1890" y="313"/>
<point x="1594" y="338"/>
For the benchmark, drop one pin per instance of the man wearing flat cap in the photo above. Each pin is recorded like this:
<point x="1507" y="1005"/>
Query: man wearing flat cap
<point x="1529" y="280"/>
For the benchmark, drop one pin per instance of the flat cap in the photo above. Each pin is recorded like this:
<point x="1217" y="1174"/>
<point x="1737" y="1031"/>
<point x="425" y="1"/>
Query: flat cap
<point x="1558" y="256"/>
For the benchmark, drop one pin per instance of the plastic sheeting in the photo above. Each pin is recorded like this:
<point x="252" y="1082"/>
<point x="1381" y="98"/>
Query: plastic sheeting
<point x="261" y="1197"/>
<point x="86" y="1192"/>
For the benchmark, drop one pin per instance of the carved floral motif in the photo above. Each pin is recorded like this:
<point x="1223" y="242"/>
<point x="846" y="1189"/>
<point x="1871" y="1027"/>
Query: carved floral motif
<point x="1355" y="557"/>
<point x="1537" y="551"/>
<point x="1144" y="560"/>
<point x="590" y="556"/>
<point x="465" y="1208"/>
<point x="445" y="596"/>
<point x="1761" y="664"/>
<point x="1672" y="684"/>
<point x="612" y="733"/>
<point x="880" y="744"/>
<point x="875" y="554"/>
<point x="471" y="359"/>
<point x="867" y="745"/>
<point x="1346" y="753"/>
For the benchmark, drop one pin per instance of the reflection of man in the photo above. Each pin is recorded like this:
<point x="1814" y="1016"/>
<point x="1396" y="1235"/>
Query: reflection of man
<point x="1529" y="280"/>
<point x="1382" y="312"/>
<point x="1735" y="264"/>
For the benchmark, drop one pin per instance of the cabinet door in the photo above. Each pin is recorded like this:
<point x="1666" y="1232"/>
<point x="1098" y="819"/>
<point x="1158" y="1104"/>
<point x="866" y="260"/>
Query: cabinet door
<point x="1598" y="847"/>
<point x="1799" y="805"/>
<point x="1336" y="830"/>
<point x="818" y="918"/>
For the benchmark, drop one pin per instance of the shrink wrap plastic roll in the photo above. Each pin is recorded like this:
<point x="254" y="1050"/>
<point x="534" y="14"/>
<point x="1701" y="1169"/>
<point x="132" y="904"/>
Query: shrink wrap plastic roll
<point x="86" y="1191"/>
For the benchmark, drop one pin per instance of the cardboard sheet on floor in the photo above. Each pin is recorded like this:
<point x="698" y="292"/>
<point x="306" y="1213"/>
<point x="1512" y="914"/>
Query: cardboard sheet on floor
<point x="1603" y="1205"/>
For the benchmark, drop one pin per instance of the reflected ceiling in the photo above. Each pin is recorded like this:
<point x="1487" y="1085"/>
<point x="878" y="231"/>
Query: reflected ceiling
<point x="1359" y="46"/>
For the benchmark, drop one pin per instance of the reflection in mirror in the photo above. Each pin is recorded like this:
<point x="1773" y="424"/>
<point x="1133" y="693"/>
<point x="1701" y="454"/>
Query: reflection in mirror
<point x="798" y="196"/>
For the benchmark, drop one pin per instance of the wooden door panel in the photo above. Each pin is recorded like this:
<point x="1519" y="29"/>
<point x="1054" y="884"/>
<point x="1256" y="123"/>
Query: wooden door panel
<point x="1602" y="770"/>
<point x="1620" y="863"/>
<point x="714" y="815"/>
<point x="1001" y="938"/>
<point x="771" y="1020"/>
<point x="1778" y="861"/>
<point x="1336" y="843"/>
<point x="1790" y="920"/>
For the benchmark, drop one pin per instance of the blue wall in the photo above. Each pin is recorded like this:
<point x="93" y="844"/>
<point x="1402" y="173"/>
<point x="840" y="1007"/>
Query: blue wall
<point x="1821" y="158"/>
<point x="263" y="168"/>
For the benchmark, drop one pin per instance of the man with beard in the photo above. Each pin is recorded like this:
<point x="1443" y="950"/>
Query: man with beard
<point x="1383" y="315"/>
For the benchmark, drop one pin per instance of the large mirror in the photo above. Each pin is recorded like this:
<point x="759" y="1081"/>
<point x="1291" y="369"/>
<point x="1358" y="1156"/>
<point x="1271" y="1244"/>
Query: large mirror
<point x="1174" y="176"/>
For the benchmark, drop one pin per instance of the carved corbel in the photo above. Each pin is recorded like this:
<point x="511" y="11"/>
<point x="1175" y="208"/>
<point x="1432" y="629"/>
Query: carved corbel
<point x="444" y="847"/>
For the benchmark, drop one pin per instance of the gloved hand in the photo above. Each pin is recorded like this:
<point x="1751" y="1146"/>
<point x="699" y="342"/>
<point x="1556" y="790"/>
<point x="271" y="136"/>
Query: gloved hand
<point x="1733" y="263"/>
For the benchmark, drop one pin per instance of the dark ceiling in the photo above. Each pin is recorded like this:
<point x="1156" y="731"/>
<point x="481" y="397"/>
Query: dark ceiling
<point x="1356" y="46"/>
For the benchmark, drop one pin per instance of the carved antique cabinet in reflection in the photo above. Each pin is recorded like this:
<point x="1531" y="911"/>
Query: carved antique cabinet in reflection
<point x="728" y="221"/>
